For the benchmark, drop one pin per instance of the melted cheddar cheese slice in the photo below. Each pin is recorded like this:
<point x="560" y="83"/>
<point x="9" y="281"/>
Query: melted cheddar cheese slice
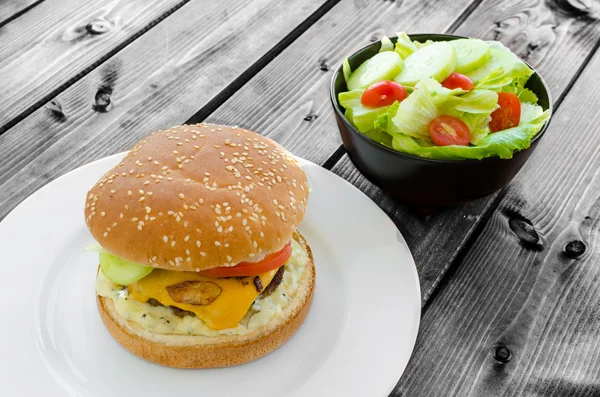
<point x="225" y="311"/>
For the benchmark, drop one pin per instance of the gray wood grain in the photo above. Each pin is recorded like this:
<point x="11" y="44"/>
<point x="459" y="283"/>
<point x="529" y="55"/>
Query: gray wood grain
<point x="556" y="37"/>
<point x="11" y="8"/>
<point x="435" y="238"/>
<point x="58" y="40"/>
<point x="288" y="101"/>
<point x="158" y="81"/>
<point x="528" y="292"/>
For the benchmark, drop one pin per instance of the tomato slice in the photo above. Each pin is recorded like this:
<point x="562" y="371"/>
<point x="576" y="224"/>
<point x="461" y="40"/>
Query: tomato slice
<point x="457" y="80"/>
<point x="244" y="269"/>
<point x="508" y="115"/>
<point x="383" y="93"/>
<point x="448" y="130"/>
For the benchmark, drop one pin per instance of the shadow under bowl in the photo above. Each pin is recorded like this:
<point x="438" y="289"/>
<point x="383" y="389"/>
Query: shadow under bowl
<point x="425" y="182"/>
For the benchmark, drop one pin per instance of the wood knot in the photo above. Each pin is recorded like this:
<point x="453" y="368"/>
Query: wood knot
<point x="99" y="26"/>
<point x="501" y="354"/>
<point x="56" y="110"/>
<point x="574" y="249"/>
<point x="323" y="65"/>
<point x="526" y="233"/>
<point x="576" y="8"/>
<point x="102" y="101"/>
<point x="310" y="117"/>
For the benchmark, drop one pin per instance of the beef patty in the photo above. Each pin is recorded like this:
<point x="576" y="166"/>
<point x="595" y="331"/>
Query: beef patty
<point x="275" y="282"/>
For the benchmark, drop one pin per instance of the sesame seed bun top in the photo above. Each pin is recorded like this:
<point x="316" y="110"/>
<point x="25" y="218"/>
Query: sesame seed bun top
<point x="194" y="197"/>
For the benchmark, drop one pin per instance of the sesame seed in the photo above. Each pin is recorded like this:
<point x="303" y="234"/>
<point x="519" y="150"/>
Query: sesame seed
<point x="105" y="234"/>
<point x="217" y="243"/>
<point x="181" y="196"/>
<point x="173" y="243"/>
<point x="129" y="192"/>
<point x="198" y="243"/>
<point x="202" y="253"/>
<point x="103" y="213"/>
<point x="186" y="238"/>
<point x="165" y="239"/>
<point x="197" y="269"/>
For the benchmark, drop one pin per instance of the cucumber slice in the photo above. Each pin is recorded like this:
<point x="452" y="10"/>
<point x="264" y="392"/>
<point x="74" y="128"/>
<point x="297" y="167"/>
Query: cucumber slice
<point x="472" y="54"/>
<point x="498" y="58"/>
<point x="383" y="66"/>
<point x="436" y="60"/>
<point x="120" y="271"/>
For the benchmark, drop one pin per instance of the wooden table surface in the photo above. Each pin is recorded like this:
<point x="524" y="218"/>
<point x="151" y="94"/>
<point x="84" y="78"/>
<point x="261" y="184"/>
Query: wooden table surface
<point x="510" y="282"/>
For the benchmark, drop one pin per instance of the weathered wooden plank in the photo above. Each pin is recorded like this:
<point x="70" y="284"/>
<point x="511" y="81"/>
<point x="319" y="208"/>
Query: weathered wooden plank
<point x="158" y="81"/>
<point x="58" y="40"/>
<point x="289" y="100"/>
<point x="554" y="38"/>
<point x="11" y="8"/>
<point x="435" y="238"/>
<point x="530" y="285"/>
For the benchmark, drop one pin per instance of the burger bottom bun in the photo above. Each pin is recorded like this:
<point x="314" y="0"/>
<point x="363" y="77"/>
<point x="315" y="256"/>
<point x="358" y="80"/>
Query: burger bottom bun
<point x="183" y="351"/>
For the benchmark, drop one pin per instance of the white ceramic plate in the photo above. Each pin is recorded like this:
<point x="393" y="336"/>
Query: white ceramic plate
<point x="355" y="341"/>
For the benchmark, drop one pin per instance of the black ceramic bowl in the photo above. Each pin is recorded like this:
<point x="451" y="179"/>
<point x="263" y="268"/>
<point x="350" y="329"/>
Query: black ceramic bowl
<point x="420" y="181"/>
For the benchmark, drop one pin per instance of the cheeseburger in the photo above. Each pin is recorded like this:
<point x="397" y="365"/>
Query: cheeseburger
<point x="201" y="264"/>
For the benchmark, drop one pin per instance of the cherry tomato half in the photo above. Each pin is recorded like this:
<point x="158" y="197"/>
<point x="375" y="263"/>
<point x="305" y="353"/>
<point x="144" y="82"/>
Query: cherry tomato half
<point x="383" y="93"/>
<point x="243" y="269"/>
<point x="508" y="114"/>
<point x="448" y="130"/>
<point x="457" y="80"/>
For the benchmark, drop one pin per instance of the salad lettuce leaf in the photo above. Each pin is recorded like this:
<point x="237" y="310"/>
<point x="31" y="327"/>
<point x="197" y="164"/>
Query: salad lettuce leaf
<point x="364" y="117"/>
<point x="478" y="101"/>
<point x="346" y="70"/>
<point x="350" y="99"/>
<point x="404" y="46"/>
<point x="386" y="44"/>
<point x="423" y="105"/>
<point x="501" y="143"/>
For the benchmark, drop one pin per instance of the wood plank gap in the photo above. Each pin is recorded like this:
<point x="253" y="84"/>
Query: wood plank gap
<point x="42" y="101"/>
<point x="263" y="61"/>
<point x="334" y="158"/>
<point x="578" y="73"/>
<point x="466" y="248"/>
<point x="19" y="13"/>
<point x="463" y="16"/>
